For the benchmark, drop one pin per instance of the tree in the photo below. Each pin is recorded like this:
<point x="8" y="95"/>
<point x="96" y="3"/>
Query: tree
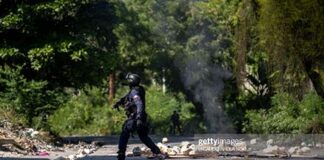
<point x="292" y="34"/>
<point x="54" y="45"/>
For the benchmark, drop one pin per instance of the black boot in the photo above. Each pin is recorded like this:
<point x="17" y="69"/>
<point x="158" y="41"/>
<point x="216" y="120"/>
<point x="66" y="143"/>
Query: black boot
<point x="121" y="156"/>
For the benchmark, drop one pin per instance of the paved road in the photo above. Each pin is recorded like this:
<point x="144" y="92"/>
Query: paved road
<point x="109" y="148"/>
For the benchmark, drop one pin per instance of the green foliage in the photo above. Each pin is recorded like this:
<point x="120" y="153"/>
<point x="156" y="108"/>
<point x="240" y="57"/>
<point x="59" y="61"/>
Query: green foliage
<point x="27" y="98"/>
<point x="277" y="50"/>
<point x="288" y="115"/>
<point x="160" y="107"/>
<point x="291" y="33"/>
<point x="270" y="46"/>
<point x="55" y="41"/>
<point x="90" y="114"/>
<point x="48" y="46"/>
<point x="87" y="113"/>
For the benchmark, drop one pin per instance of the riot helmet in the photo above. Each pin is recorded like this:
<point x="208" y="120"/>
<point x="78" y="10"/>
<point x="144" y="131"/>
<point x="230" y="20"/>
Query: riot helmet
<point x="133" y="79"/>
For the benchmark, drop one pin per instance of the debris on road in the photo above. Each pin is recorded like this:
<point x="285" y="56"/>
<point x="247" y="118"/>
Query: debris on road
<point x="184" y="149"/>
<point x="17" y="140"/>
<point x="165" y="140"/>
<point x="25" y="141"/>
<point x="137" y="151"/>
<point x="270" y="142"/>
<point x="83" y="150"/>
<point x="253" y="141"/>
<point x="275" y="150"/>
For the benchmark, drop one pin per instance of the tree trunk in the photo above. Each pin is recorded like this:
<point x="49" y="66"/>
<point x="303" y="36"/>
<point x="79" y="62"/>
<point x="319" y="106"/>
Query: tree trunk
<point x="241" y="45"/>
<point x="111" y="80"/>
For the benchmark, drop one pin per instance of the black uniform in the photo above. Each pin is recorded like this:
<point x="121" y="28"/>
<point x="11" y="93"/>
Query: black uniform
<point x="175" y="118"/>
<point x="134" y="103"/>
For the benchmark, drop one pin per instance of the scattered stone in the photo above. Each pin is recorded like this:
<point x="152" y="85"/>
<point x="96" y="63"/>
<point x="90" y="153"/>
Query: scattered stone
<point x="271" y="150"/>
<point x="276" y="150"/>
<point x="303" y="144"/>
<point x="71" y="157"/>
<point x="191" y="153"/>
<point x="185" y="143"/>
<point x="176" y="149"/>
<point x="87" y="151"/>
<point x="192" y="146"/>
<point x="84" y="150"/>
<point x="137" y="151"/>
<point x="282" y="150"/>
<point x="253" y="141"/>
<point x="293" y="150"/>
<point x="299" y="151"/>
<point x="162" y="147"/>
<point x="172" y="153"/>
<point x="319" y="145"/>
<point x="143" y="149"/>
<point x="270" y="142"/>
<point x="165" y="140"/>
<point x="305" y="150"/>
<point x="185" y="150"/>
<point x="146" y="151"/>
<point x="240" y="146"/>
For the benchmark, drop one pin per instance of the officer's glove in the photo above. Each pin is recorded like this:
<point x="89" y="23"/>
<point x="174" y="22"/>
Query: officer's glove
<point x="139" y="123"/>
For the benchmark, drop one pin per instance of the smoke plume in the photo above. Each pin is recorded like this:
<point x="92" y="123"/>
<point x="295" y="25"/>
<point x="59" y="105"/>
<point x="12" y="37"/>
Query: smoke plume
<point x="205" y="80"/>
<point x="199" y="72"/>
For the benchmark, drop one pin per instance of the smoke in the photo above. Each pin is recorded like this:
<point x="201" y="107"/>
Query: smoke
<point x="205" y="80"/>
<point x="195" y="53"/>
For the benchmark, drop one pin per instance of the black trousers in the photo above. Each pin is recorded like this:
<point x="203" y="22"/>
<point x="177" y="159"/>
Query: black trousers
<point x="129" y="127"/>
<point x="174" y="127"/>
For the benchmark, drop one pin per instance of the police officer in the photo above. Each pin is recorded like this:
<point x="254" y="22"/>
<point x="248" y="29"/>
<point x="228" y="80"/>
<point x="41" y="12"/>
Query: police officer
<point x="175" y="118"/>
<point x="134" y="105"/>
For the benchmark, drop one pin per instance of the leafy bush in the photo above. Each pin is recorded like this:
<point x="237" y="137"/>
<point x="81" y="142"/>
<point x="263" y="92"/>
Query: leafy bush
<point x="30" y="100"/>
<point x="88" y="113"/>
<point x="91" y="114"/>
<point x="288" y="115"/>
<point x="160" y="107"/>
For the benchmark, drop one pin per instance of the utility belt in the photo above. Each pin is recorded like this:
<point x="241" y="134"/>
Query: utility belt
<point x="131" y="112"/>
<point x="130" y="109"/>
<point x="131" y="126"/>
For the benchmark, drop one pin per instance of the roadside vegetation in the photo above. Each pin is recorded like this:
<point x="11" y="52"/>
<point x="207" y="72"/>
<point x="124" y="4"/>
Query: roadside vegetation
<point x="62" y="63"/>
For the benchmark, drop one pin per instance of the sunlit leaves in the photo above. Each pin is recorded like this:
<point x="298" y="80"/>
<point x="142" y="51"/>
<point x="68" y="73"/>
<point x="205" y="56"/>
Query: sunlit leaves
<point x="40" y="56"/>
<point x="9" y="52"/>
<point x="78" y="55"/>
<point x="10" y="21"/>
